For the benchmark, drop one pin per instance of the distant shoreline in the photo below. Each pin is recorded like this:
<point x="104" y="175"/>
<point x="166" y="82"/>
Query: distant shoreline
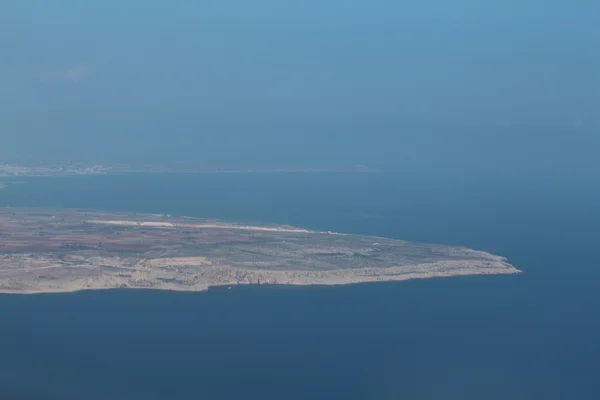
<point x="15" y="171"/>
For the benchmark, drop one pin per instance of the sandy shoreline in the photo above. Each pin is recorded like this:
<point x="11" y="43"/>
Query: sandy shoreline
<point x="156" y="224"/>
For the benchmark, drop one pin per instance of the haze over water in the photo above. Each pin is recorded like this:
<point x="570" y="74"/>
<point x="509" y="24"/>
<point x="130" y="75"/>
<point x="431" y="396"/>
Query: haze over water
<point x="529" y="336"/>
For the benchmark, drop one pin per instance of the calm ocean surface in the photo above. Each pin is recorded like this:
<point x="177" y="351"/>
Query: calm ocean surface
<point x="531" y="336"/>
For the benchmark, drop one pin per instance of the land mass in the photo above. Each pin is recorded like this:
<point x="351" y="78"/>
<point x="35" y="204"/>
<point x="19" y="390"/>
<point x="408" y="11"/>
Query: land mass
<point x="69" y="169"/>
<point x="64" y="250"/>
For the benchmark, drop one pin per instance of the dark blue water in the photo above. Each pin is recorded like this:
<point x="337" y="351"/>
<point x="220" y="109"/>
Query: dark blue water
<point x="529" y="336"/>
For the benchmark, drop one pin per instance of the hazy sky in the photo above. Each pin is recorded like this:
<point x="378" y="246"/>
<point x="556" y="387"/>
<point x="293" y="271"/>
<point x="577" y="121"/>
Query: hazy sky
<point x="299" y="82"/>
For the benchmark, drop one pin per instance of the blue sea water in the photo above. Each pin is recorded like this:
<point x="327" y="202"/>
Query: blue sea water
<point x="529" y="336"/>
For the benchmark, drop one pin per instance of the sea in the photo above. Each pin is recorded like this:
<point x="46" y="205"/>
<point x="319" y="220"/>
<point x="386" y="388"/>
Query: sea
<point x="534" y="335"/>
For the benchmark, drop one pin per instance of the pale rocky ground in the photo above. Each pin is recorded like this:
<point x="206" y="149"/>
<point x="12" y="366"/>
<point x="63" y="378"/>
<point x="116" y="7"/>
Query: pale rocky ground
<point x="244" y="255"/>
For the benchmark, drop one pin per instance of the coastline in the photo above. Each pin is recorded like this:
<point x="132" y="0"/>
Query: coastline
<point x="328" y="280"/>
<point x="62" y="250"/>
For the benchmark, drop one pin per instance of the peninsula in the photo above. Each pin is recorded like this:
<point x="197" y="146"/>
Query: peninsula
<point x="64" y="250"/>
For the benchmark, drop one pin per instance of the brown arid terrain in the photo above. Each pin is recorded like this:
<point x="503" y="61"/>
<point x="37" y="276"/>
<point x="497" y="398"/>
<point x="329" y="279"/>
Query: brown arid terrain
<point x="62" y="250"/>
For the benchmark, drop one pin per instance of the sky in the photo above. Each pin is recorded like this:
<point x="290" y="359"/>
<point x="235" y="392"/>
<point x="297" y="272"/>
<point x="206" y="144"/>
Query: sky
<point x="390" y="84"/>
